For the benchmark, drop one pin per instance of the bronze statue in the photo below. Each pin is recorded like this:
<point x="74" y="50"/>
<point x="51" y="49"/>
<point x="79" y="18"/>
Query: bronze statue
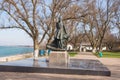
<point x="60" y="37"/>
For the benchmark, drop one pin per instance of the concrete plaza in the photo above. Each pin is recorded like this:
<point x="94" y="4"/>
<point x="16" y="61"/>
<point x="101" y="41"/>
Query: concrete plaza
<point x="112" y="63"/>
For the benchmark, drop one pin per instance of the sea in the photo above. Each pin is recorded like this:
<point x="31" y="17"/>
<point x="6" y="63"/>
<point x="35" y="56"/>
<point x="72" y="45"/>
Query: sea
<point x="14" y="50"/>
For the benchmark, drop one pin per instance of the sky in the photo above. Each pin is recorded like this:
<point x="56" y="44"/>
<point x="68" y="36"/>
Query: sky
<point x="14" y="37"/>
<point x="11" y="37"/>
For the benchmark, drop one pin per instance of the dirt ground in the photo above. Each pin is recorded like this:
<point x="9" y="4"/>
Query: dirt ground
<point x="112" y="63"/>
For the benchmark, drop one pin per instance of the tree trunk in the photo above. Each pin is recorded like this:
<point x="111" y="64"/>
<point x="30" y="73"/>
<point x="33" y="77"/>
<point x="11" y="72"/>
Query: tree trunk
<point x="100" y="48"/>
<point x="36" y="49"/>
<point x="94" y="50"/>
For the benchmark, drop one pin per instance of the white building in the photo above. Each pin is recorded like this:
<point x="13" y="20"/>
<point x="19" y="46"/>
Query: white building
<point x="87" y="47"/>
<point x="69" y="47"/>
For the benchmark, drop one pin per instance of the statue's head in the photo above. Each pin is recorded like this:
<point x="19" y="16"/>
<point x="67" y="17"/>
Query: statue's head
<point x="58" y="23"/>
<point x="59" y="19"/>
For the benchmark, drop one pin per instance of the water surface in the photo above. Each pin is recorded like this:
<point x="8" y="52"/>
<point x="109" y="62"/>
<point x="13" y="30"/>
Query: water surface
<point x="14" y="50"/>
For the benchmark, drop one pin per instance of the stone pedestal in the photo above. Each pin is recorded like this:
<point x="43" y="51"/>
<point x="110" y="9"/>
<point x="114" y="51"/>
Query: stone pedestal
<point x="58" y="58"/>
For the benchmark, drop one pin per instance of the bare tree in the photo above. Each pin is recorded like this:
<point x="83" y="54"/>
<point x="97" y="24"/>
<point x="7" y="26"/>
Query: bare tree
<point x="116" y="19"/>
<point x="106" y="20"/>
<point x="109" y="39"/>
<point x="98" y="21"/>
<point x="26" y="15"/>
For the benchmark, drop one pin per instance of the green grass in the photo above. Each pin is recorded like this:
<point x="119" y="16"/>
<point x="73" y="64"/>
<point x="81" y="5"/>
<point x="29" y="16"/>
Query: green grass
<point x="72" y="54"/>
<point x="110" y="54"/>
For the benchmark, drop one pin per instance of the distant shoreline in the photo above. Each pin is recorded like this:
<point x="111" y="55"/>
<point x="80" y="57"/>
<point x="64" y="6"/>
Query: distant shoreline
<point x="16" y="57"/>
<point x="18" y="45"/>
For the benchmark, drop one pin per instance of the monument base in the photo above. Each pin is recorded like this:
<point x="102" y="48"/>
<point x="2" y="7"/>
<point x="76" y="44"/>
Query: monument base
<point x="75" y="66"/>
<point x="58" y="58"/>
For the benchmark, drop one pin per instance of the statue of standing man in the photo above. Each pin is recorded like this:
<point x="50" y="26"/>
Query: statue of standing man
<point x="60" y="37"/>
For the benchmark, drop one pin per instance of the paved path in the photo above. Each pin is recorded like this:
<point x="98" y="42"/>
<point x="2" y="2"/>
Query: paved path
<point x="112" y="63"/>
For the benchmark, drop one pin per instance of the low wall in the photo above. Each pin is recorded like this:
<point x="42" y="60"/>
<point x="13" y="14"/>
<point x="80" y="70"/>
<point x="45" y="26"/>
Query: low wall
<point x="16" y="57"/>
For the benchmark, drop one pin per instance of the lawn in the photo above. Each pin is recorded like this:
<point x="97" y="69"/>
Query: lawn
<point x="110" y="54"/>
<point x="72" y="54"/>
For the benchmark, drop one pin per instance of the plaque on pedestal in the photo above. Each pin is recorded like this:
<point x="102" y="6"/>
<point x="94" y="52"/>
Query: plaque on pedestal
<point x="58" y="58"/>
